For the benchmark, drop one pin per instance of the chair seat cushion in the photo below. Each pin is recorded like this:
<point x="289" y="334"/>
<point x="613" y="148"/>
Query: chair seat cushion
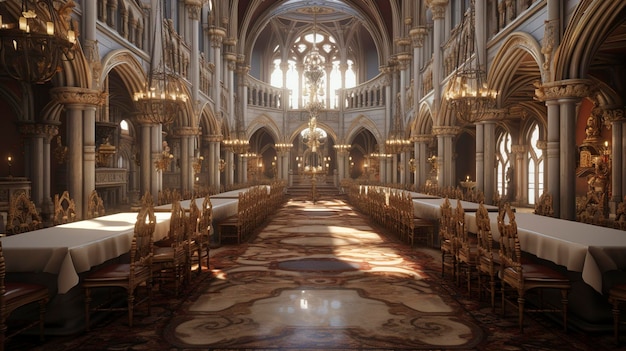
<point x="110" y="272"/>
<point x="163" y="253"/>
<point x="533" y="271"/>
<point x="14" y="290"/>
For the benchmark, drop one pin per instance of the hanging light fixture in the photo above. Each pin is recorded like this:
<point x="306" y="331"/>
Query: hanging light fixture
<point x="314" y="136"/>
<point x="467" y="92"/>
<point x="32" y="48"/>
<point x="162" y="98"/>
<point x="396" y="143"/>
<point x="238" y="141"/>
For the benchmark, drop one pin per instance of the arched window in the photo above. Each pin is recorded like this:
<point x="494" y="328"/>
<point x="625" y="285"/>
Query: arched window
<point x="295" y="82"/>
<point x="535" y="167"/>
<point x="503" y="162"/>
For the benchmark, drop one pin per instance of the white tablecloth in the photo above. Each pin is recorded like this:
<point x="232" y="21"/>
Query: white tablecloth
<point x="577" y="246"/>
<point x="224" y="205"/>
<point x="69" y="249"/>
<point x="431" y="208"/>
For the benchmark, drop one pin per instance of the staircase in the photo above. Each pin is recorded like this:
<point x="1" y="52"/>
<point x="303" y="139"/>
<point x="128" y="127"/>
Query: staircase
<point x="301" y="188"/>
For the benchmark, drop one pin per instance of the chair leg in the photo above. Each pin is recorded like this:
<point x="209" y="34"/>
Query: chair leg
<point x="520" y="310"/>
<point x="131" y="304"/>
<point x="42" y="317"/>
<point x="564" y="302"/>
<point x="87" y="303"/>
<point x="616" y="321"/>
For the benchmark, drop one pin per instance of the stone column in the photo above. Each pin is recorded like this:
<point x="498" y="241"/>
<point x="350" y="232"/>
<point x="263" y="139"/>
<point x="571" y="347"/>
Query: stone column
<point x="187" y="137"/>
<point x="438" y="8"/>
<point x="421" y="156"/>
<point x="446" y="172"/>
<point x="39" y="136"/>
<point x="81" y="107"/>
<point x="480" y="156"/>
<point x="616" y="119"/>
<point x="193" y="11"/>
<point x="561" y="99"/>
<point x="489" y="174"/>
<point x="217" y="36"/>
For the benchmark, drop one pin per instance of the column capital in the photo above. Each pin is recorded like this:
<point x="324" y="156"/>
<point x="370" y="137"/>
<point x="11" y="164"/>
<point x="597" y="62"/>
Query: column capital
<point x="214" y="138"/>
<point x="438" y="8"/>
<point x="48" y="131"/>
<point x="422" y="138"/>
<point x="418" y="34"/>
<point x="447" y="130"/>
<point x="194" y="7"/>
<point x="610" y="115"/>
<point x="187" y="131"/>
<point x="79" y="96"/>
<point x="563" y="89"/>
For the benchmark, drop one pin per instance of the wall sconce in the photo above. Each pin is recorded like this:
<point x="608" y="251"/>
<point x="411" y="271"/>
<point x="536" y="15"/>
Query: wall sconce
<point x="9" y="161"/>
<point x="197" y="164"/>
<point x="163" y="162"/>
<point x="222" y="165"/>
<point x="60" y="151"/>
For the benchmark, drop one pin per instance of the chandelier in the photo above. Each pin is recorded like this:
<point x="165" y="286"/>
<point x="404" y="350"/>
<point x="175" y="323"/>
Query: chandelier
<point x="161" y="99"/>
<point x="396" y="143"/>
<point x="467" y="92"/>
<point x="32" y="48"/>
<point x="238" y="141"/>
<point x="314" y="136"/>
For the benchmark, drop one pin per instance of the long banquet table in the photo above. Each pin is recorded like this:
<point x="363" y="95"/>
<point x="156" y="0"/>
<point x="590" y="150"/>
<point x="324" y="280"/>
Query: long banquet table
<point x="69" y="249"/>
<point x="579" y="247"/>
<point x="59" y="256"/>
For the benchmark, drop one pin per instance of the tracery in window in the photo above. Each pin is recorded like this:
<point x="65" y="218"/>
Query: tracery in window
<point x="294" y="80"/>
<point x="503" y="162"/>
<point x="535" y="167"/>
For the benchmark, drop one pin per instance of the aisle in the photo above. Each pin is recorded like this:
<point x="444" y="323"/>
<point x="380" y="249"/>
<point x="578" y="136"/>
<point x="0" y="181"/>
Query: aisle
<point x="318" y="276"/>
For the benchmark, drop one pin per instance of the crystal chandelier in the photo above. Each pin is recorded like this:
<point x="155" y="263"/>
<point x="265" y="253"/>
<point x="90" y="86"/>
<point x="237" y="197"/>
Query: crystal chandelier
<point x="396" y="143"/>
<point x="32" y="48"/>
<point x="467" y="92"/>
<point x="238" y="142"/>
<point x="161" y="99"/>
<point x="313" y="136"/>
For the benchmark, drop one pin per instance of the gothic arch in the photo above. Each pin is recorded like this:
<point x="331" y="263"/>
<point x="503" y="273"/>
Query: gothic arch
<point x="592" y="23"/>
<point x="363" y="122"/>
<point x="520" y="54"/>
<point x="423" y="122"/>
<point x="264" y="122"/>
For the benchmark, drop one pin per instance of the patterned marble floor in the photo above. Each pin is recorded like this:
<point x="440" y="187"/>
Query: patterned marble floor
<point x="318" y="276"/>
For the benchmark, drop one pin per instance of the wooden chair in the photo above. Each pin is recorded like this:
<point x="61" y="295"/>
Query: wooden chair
<point x="204" y="230"/>
<point x="488" y="261"/>
<point x="234" y="227"/>
<point x="193" y="239"/>
<point x="14" y="295"/>
<point x="128" y="276"/>
<point x="95" y="206"/>
<point x="447" y="236"/>
<point x="467" y="251"/>
<point x="23" y="216"/>
<point x="64" y="209"/>
<point x="170" y="254"/>
<point x="523" y="275"/>
<point x="617" y="295"/>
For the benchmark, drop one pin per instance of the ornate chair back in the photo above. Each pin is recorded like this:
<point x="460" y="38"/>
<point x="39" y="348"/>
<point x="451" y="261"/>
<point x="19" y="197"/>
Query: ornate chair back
<point x="510" y="249"/>
<point x="64" y="209"/>
<point x="23" y="216"/>
<point x="95" y="206"/>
